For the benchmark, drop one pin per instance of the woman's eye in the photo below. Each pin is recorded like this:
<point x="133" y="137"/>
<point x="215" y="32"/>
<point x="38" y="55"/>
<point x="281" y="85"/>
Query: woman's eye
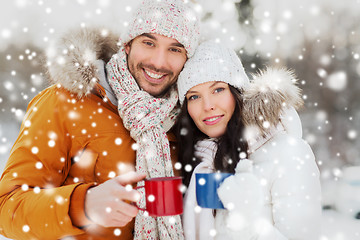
<point x="217" y="90"/>
<point x="193" y="97"/>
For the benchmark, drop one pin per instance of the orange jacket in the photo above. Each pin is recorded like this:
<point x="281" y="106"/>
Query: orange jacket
<point x="66" y="144"/>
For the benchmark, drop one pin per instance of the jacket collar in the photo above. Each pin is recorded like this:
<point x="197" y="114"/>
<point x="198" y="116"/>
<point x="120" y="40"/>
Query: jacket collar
<point x="73" y="59"/>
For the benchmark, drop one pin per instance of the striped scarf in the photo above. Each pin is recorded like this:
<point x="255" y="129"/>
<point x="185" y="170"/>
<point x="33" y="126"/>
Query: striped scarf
<point x="148" y="119"/>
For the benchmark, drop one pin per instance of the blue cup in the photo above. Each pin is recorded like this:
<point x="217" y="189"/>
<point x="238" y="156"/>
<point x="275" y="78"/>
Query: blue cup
<point x="206" y="189"/>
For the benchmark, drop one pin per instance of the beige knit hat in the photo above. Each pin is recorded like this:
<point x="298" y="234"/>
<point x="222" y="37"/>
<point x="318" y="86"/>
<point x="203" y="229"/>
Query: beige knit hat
<point x="170" y="18"/>
<point x="212" y="62"/>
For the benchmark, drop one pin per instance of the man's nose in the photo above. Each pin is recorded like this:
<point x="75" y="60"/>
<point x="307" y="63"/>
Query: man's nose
<point x="159" y="59"/>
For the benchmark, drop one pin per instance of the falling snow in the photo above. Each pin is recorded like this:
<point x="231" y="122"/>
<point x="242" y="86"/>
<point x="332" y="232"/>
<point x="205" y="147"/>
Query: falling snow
<point x="117" y="232"/>
<point x="26" y="228"/>
<point x="319" y="39"/>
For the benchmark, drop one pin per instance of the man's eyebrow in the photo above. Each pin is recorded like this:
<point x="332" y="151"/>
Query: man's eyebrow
<point x="149" y="35"/>
<point x="177" y="44"/>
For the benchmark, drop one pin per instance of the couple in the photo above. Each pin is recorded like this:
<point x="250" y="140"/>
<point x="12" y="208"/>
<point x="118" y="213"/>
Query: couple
<point x="108" y="122"/>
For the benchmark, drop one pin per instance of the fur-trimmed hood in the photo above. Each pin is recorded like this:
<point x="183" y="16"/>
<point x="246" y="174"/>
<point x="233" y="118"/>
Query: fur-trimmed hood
<point x="71" y="62"/>
<point x="268" y="96"/>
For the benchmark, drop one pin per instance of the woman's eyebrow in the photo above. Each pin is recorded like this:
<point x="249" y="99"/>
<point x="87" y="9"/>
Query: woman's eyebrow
<point x="215" y="83"/>
<point x="191" y="91"/>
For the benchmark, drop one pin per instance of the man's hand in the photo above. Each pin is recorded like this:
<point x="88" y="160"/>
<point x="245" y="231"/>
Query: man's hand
<point x="108" y="204"/>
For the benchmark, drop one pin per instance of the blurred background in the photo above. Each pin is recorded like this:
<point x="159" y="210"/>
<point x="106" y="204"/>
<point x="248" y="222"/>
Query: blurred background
<point x="318" y="39"/>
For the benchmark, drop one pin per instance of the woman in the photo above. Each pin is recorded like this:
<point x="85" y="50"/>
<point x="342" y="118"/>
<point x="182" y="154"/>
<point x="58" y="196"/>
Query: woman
<point x="251" y="129"/>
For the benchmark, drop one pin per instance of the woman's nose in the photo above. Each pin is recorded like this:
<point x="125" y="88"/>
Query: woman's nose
<point x="208" y="104"/>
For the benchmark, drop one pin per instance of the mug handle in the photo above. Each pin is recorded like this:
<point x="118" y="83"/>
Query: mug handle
<point x="142" y="209"/>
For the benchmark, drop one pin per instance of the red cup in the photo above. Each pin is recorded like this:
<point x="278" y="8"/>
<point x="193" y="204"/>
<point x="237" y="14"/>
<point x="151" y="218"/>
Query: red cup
<point x="163" y="196"/>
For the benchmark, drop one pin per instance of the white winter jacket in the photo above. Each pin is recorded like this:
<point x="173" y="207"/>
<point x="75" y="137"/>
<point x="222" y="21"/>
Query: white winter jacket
<point x="289" y="203"/>
<point x="276" y="194"/>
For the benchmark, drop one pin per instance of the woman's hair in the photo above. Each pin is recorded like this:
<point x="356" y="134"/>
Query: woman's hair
<point x="230" y="144"/>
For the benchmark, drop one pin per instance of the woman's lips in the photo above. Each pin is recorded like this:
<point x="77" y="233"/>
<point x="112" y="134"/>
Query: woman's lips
<point x="213" y="120"/>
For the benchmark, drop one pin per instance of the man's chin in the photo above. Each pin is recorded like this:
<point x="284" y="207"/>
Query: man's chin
<point x="158" y="93"/>
<point x="155" y="90"/>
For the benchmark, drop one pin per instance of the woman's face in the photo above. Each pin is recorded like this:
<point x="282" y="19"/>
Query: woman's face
<point x="211" y="106"/>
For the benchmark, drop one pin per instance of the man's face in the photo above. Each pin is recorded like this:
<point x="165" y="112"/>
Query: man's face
<point x="155" y="62"/>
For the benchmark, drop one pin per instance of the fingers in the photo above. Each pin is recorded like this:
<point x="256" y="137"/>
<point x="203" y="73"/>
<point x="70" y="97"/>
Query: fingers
<point x="126" y="192"/>
<point x="119" y="212"/>
<point x="117" y="215"/>
<point x="106" y="204"/>
<point x="126" y="209"/>
<point x="129" y="178"/>
<point x="205" y="144"/>
<point x="118" y="220"/>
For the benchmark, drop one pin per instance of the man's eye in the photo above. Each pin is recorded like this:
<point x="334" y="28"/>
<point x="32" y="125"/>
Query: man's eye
<point x="175" y="50"/>
<point x="149" y="43"/>
<point x="219" y="90"/>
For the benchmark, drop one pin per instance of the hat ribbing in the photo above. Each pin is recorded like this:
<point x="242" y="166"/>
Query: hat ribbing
<point x="170" y="18"/>
<point x="212" y="62"/>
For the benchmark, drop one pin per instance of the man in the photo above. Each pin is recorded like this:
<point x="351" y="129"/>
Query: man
<point x="71" y="169"/>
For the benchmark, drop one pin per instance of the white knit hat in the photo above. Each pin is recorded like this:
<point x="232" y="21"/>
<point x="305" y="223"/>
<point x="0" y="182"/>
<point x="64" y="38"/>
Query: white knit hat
<point x="212" y="62"/>
<point x="170" y="18"/>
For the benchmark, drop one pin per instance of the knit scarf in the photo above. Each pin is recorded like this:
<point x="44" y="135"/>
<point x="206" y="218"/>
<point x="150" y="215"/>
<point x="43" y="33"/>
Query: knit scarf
<point x="148" y="119"/>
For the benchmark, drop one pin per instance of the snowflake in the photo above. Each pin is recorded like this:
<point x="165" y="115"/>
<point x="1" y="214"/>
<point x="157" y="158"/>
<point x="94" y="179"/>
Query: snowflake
<point x="26" y="228"/>
<point x="177" y="166"/>
<point x="151" y="198"/>
<point x="117" y="232"/>
<point x="118" y="141"/>
<point x="111" y="174"/>
<point x="188" y="167"/>
<point x="35" y="150"/>
<point x="51" y="143"/>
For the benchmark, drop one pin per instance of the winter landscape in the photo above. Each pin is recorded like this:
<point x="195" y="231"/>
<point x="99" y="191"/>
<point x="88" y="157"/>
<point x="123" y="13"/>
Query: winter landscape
<point x="319" y="40"/>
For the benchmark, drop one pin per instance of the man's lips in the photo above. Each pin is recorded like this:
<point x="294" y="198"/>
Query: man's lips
<point x="153" y="77"/>
<point x="213" y="120"/>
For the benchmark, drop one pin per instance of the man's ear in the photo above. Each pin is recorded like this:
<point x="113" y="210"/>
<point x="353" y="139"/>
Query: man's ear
<point x="127" y="48"/>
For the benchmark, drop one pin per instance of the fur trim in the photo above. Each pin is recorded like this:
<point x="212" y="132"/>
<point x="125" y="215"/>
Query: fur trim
<point x="268" y="95"/>
<point x="72" y="61"/>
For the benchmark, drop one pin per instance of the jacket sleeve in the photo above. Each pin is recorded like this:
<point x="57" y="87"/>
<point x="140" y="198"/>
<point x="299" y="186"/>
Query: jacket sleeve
<point x="295" y="191"/>
<point x="242" y="195"/>
<point x="34" y="204"/>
